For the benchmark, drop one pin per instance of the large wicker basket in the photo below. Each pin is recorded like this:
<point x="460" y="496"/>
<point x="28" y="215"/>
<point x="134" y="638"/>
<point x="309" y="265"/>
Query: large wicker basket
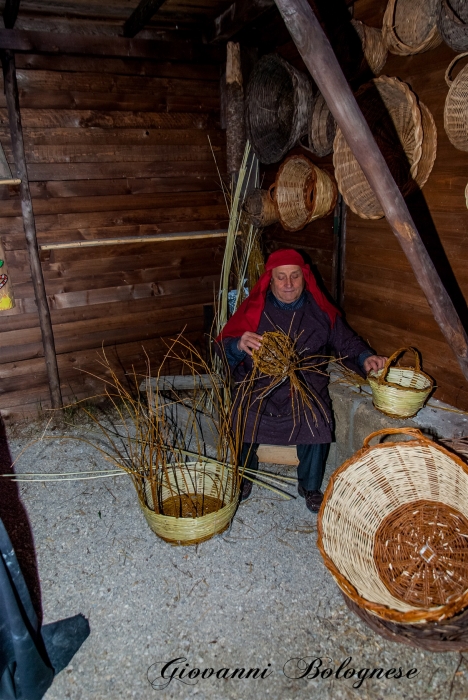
<point x="456" y="105"/>
<point x="410" y="26"/>
<point x="303" y="192"/>
<point x="194" y="502"/>
<point x="393" y="529"/>
<point x="260" y="207"/>
<point x="400" y="392"/>
<point x="373" y="46"/>
<point x="453" y="23"/>
<point x="277" y="107"/>
<point x="405" y="133"/>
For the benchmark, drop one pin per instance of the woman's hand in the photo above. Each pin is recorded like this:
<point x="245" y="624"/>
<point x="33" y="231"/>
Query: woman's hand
<point x="374" y="362"/>
<point x="249" y="341"/>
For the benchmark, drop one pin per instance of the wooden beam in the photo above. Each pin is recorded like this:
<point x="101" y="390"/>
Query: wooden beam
<point x="140" y="16"/>
<point x="134" y="239"/>
<point x="237" y="16"/>
<point x="10" y="13"/>
<point x="89" y="45"/>
<point x="235" y="123"/>
<point x="321" y="61"/>
<point x="16" y="130"/>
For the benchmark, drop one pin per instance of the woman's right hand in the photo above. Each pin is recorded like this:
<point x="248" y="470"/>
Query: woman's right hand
<point x="249" y="341"/>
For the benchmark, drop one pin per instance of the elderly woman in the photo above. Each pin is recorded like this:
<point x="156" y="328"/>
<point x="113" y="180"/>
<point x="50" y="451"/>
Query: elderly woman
<point x="287" y="297"/>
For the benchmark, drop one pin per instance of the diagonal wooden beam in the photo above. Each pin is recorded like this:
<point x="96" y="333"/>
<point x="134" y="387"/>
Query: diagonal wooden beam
<point x="321" y="61"/>
<point x="10" y="13"/>
<point x="140" y="16"/>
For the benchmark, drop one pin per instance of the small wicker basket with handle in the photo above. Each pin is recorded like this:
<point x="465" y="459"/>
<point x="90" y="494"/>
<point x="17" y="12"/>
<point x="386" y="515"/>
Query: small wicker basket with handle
<point x="400" y="392"/>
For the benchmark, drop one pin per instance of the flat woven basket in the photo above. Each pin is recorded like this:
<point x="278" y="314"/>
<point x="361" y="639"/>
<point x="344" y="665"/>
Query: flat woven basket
<point x="393" y="529"/>
<point x="452" y="23"/>
<point x="261" y="208"/>
<point x="278" y="104"/>
<point x="456" y="105"/>
<point x="303" y="192"/>
<point x="373" y="46"/>
<point x="400" y="392"/>
<point x="195" y="502"/>
<point x="405" y="133"/>
<point x="410" y="26"/>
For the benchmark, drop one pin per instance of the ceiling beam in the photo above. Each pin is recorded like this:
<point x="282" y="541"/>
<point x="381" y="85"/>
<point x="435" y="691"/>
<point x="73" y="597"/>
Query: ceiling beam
<point x="10" y="13"/>
<point x="140" y="17"/>
<point x="237" y="16"/>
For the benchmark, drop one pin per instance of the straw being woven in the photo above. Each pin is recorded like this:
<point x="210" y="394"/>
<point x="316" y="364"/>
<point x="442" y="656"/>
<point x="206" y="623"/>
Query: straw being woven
<point x="410" y="26"/>
<point x="452" y="22"/>
<point x="405" y="133"/>
<point x="373" y="46"/>
<point x="372" y="488"/>
<point x="456" y="105"/>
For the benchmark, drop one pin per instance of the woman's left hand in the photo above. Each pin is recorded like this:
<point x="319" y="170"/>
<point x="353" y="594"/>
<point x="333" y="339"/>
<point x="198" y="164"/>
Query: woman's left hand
<point x="374" y="362"/>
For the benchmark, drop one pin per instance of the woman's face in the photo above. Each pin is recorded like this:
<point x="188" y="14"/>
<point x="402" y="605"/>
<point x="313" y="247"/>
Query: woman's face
<point x="287" y="283"/>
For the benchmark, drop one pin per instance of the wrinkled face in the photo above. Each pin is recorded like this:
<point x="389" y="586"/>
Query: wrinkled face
<point x="287" y="283"/>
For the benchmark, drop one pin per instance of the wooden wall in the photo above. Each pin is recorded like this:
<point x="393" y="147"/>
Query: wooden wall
<point x="115" y="147"/>
<point x="383" y="302"/>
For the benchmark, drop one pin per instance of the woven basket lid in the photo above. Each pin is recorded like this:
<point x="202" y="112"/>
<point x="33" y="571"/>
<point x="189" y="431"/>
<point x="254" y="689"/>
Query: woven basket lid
<point x="452" y="23"/>
<point x="410" y="26"/>
<point x="406" y="135"/>
<point x="278" y="103"/>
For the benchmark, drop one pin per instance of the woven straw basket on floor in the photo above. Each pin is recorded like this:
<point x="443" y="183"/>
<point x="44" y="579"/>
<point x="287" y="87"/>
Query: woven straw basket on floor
<point x="195" y="502"/>
<point x="303" y="192"/>
<point x="277" y="107"/>
<point x="410" y="26"/>
<point x="453" y="23"/>
<point x="373" y="46"/>
<point x="406" y="134"/>
<point x="400" y="392"/>
<point x="260" y="207"/>
<point x="393" y="529"/>
<point x="456" y="105"/>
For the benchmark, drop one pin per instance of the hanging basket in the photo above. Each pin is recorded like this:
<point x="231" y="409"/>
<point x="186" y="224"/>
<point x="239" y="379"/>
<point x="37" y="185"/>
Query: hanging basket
<point x="373" y="46"/>
<point x="260" y="207"/>
<point x="278" y="103"/>
<point x="393" y="529"/>
<point x="456" y="105"/>
<point x="410" y="26"/>
<point x="406" y="135"/>
<point x="400" y="392"/>
<point x="195" y="501"/>
<point x="303" y="192"/>
<point x="322" y="128"/>
<point x="453" y="23"/>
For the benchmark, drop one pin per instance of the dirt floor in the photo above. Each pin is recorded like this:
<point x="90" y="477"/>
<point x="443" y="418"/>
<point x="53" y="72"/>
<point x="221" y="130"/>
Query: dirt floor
<point x="256" y="597"/>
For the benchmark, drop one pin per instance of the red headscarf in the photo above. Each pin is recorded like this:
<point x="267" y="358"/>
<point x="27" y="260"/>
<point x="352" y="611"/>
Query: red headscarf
<point x="247" y="316"/>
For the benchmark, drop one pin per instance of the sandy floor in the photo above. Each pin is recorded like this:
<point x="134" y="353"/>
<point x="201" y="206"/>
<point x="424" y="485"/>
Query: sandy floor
<point x="256" y="597"/>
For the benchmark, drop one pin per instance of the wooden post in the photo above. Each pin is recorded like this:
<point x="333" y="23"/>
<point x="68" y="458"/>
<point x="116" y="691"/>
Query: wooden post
<point x="235" y="124"/>
<point x="12" y="99"/>
<point x="321" y="61"/>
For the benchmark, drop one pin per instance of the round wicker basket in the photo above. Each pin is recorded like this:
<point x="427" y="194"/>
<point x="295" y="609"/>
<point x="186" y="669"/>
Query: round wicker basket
<point x="400" y="392"/>
<point x="456" y="105"/>
<point x="406" y="134"/>
<point x="260" y="207"/>
<point x="373" y="46"/>
<point x="303" y="192"/>
<point x="393" y="529"/>
<point x="452" y="23"/>
<point x="278" y="103"/>
<point x="410" y="26"/>
<point x="195" y="502"/>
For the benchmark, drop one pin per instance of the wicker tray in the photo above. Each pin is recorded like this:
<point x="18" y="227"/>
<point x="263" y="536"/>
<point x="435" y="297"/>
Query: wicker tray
<point x="456" y="105"/>
<point x="410" y="26"/>
<point x="278" y="104"/>
<point x="363" y="514"/>
<point x="452" y="23"/>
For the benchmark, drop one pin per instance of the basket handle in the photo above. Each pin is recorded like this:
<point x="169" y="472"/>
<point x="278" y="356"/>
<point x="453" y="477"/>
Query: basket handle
<point x="448" y="79"/>
<point x="383" y="377"/>
<point x="414" y="432"/>
<point x="453" y="15"/>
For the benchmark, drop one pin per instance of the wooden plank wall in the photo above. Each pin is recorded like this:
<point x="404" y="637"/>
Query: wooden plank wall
<point x="115" y="147"/>
<point x="383" y="302"/>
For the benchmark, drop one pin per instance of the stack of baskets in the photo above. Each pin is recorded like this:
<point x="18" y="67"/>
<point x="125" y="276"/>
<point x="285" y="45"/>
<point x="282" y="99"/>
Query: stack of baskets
<point x="406" y="134"/>
<point x="453" y="23"/>
<point x="456" y="106"/>
<point x="410" y="26"/>
<point x="393" y="531"/>
<point x="400" y="392"/>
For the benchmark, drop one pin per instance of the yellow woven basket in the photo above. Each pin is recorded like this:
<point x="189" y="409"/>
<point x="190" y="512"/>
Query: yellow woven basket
<point x="186" y="490"/>
<point x="400" y="392"/>
<point x="393" y="529"/>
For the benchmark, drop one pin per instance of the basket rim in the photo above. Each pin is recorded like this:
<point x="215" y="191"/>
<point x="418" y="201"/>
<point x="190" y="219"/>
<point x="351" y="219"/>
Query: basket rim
<point x="372" y="376"/>
<point x="383" y="611"/>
